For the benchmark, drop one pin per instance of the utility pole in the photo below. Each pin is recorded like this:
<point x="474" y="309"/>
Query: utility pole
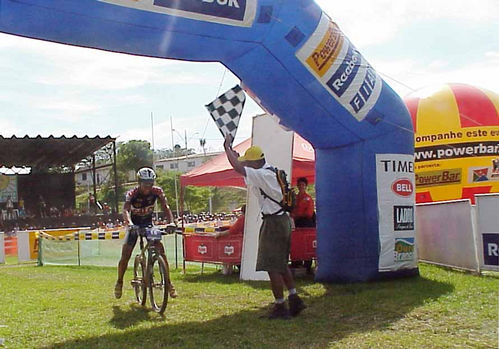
<point x="173" y="149"/>
<point x="152" y="135"/>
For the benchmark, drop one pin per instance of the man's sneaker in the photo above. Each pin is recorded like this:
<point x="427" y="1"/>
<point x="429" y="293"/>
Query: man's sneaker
<point x="171" y="291"/>
<point x="296" y="304"/>
<point x="118" y="289"/>
<point x="279" y="311"/>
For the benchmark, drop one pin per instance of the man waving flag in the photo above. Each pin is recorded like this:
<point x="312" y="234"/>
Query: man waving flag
<point x="226" y="110"/>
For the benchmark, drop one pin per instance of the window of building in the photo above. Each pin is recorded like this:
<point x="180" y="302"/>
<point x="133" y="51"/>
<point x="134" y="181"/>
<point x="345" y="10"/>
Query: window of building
<point x="191" y="163"/>
<point x="173" y="166"/>
<point x="160" y="167"/>
<point x="83" y="176"/>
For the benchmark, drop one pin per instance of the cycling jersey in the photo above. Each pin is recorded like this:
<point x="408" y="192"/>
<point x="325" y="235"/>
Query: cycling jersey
<point x="142" y="206"/>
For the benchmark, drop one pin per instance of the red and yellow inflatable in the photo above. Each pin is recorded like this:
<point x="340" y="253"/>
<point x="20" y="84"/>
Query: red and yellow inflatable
<point x="456" y="142"/>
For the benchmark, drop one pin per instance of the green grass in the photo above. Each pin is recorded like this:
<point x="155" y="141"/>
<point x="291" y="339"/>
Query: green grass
<point x="73" y="307"/>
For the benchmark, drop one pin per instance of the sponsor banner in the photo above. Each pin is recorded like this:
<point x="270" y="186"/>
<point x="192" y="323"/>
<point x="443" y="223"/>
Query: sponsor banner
<point x="404" y="250"/>
<point x="403" y="218"/>
<point x="33" y="238"/>
<point x="438" y="178"/>
<point x="491" y="248"/>
<point x="8" y="187"/>
<point x="229" y="12"/>
<point x="457" y="151"/>
<point x="482" y="174"/>
<point x="341" y="69"/>
<point x="396" y="194"/>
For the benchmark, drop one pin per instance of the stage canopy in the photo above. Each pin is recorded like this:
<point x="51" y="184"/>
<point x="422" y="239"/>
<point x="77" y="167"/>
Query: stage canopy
<point x="219" y="173"/>
<point x="45" y="152"/>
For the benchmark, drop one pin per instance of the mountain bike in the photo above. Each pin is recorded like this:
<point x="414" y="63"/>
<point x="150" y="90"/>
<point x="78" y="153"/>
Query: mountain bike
<point x="149" y="269"/>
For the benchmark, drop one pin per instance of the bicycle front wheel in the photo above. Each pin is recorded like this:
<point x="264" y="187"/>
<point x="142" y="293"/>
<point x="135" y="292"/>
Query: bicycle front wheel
<point x="158" y="285"/>
<point x="139" y="282"/>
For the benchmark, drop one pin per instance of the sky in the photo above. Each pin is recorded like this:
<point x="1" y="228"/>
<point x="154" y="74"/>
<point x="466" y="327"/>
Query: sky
<point x="53" y="89"/>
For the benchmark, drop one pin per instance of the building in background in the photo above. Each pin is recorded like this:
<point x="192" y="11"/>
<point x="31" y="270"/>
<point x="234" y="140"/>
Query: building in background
<point x="183" y="164"/>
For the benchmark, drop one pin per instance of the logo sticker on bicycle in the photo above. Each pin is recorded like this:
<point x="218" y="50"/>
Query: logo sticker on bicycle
<point x="228" y="250"/>
<point x="153" y="234"/>
<point x="202" y="249"/>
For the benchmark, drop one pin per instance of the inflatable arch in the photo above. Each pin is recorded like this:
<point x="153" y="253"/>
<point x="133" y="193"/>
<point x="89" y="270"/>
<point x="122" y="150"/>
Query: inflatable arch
<point x="295" y="61"/>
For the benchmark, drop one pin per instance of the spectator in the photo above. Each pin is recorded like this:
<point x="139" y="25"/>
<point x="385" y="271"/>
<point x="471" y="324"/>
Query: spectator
<point x="235" y="229"/>
<point x="304" y="216"/>
<point x="42" y="207"/>
<point x="303" y="213"/>
<point x="9" y="205"/>
<point x="20" y="206"/>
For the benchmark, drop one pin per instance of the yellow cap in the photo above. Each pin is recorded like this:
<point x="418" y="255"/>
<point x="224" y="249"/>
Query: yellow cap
<point x="253" y="153"/>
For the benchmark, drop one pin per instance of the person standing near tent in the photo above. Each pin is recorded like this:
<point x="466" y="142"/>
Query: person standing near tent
<point x="275" y="231"/>
<point x="235" y="229"/>
<point x="303" y="215"/>
<point x="138" y="210"/>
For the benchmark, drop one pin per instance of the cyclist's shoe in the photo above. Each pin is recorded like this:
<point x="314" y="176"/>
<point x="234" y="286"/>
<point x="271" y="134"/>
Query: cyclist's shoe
<point x="296" y="305"/>
<point x="118" y="289"/>
<point x="171" y="291"/>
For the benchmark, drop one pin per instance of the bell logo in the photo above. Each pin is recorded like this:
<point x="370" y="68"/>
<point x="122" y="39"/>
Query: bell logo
<point x="403" y="187"/>
<point x="228" y="250"/>
<point x="202" y="249"/>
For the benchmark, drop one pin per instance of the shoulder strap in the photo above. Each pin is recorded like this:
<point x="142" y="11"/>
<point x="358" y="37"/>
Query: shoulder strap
<point x="273" y="169"/>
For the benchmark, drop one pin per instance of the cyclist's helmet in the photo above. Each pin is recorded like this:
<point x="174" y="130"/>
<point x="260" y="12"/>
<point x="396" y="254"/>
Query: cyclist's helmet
<point x="146" y="175"/>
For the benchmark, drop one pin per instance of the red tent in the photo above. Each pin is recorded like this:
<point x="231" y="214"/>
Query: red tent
<point x="219" y="173"/>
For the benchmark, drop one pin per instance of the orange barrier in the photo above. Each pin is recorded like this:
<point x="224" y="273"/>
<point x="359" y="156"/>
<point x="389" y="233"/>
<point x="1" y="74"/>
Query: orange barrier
<point x="10" y="244"/>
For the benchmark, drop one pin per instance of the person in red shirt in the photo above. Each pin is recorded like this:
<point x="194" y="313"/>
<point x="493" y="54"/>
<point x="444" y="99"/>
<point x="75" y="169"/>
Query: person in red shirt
<point x="304" y="216"/>
<point x="303" y="213"/>
<point x="235" y="229"/>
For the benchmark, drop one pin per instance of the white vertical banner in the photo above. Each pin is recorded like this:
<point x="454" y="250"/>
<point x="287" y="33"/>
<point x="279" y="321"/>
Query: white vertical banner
<point x="23" y="246"/>
<point x="2" y="248"/>
<point x="277" y="145"/>
<point x="396" y="198"/>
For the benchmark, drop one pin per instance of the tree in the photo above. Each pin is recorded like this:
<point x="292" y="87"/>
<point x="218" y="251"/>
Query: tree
<point x="169" y="153"/>
<point x="134" y="155"/>
<point x="195" y="198"/>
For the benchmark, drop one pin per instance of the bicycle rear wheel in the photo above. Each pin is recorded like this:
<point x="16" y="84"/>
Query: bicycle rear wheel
<point x="138" y="282"/>
<point x="158" y="285"/>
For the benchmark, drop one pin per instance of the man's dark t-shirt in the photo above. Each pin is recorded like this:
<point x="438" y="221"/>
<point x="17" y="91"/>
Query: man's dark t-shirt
<point x="142" y="206"/>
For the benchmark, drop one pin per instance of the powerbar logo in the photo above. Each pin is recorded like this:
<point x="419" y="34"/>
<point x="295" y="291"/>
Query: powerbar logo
<point x="404" y="249"/>
<point x="232" y="12"/>
<point x="327" y="51"/>
<point x="444" y="177"/>
<point x="456" y="151"/>
<point x="403" y="218"/>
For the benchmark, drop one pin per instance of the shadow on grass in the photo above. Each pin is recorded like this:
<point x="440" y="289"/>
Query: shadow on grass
<point x="342" y="310"/>
<point x="133" y="316"/>
<point x="219" y="278"/>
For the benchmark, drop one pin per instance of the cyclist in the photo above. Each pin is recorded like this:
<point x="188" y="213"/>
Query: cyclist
<point x="138" y="211"/>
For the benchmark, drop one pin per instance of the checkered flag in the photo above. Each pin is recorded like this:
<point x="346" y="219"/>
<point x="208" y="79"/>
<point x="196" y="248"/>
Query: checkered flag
<point x="226" y="110"/>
